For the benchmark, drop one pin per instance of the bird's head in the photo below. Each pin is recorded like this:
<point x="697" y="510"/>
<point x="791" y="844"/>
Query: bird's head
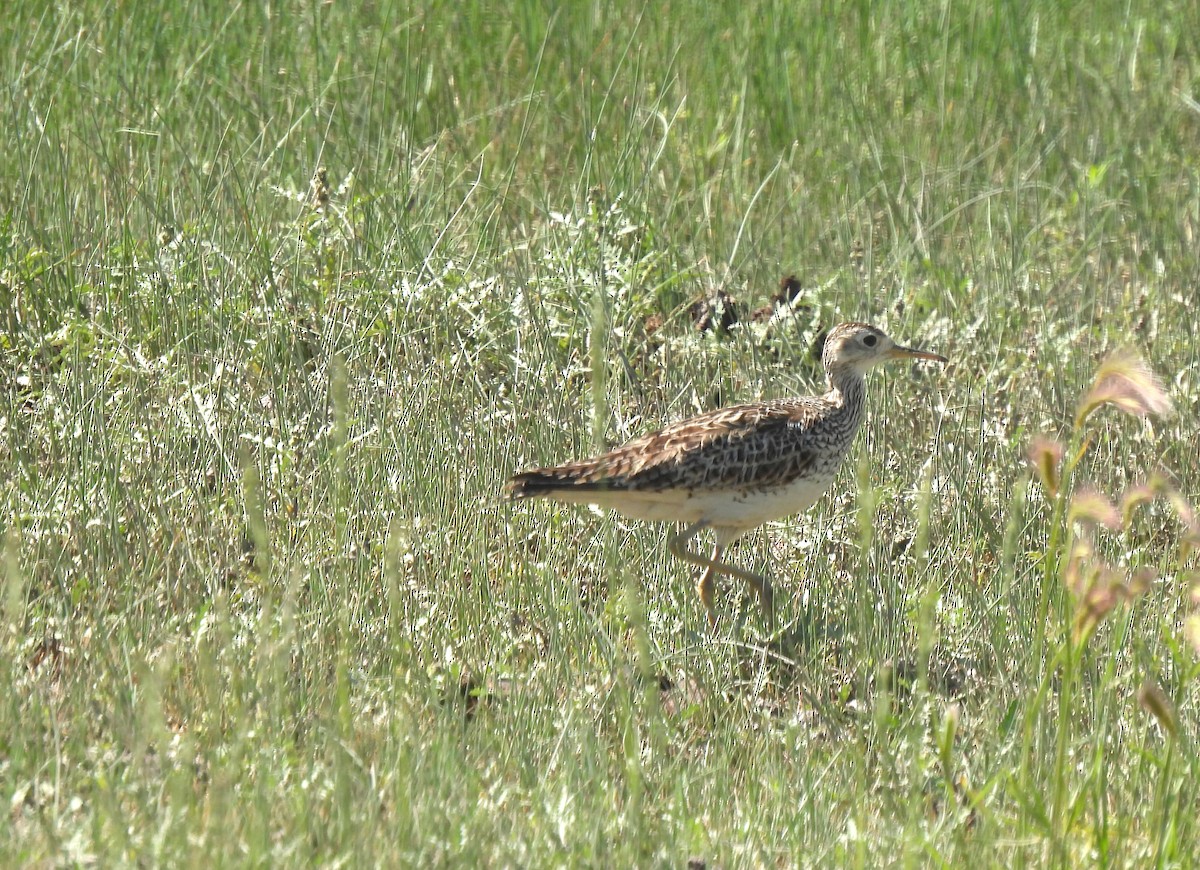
<point x="860" y="346"/>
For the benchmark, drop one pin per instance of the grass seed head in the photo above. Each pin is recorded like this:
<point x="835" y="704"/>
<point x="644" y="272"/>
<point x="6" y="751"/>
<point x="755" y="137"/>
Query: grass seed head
<point x="1125" y="381"/>
<point x="1191" y="630"/>
<point x="1045" y="455"/>
<point x="1092" y="507"/>
<point x="1155" y="702"/>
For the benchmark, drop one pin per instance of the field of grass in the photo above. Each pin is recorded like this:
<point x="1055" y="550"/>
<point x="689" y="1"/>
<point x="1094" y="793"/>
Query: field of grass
<point x="287" y="290"/>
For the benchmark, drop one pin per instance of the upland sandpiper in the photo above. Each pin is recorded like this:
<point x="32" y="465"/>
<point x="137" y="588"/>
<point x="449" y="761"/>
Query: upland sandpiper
<point x="733" y="469"/>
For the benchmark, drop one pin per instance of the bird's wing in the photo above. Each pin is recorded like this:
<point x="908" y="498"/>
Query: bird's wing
<point x="759" y="445"/>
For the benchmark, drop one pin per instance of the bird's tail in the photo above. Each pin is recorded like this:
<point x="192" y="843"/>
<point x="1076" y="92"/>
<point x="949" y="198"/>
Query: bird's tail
<point x="531" y="484"/>
<point x="544" y="482"/>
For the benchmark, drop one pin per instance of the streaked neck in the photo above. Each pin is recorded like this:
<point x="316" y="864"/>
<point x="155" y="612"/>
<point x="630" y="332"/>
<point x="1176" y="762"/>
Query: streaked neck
<point x="848" y="389"/>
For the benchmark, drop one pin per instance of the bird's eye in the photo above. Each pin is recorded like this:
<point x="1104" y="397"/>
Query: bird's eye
<point x="869" y="340"/>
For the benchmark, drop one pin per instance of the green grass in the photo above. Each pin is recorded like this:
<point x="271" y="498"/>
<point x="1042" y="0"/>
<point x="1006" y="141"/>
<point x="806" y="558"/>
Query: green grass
<point x="262" y="601"/>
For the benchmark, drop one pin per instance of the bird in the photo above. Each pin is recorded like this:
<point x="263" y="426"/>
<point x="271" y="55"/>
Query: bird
<point x="732" y="469"/>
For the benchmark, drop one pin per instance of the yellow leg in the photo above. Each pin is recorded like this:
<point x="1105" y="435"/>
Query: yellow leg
<point x="706" y="588"/>
<point x="713" y="566"/>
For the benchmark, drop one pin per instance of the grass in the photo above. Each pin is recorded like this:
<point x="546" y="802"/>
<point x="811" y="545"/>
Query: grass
<point x="262" y="602"/>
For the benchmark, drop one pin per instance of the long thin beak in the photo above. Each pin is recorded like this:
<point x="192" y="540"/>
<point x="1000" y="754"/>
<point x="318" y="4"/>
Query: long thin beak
<point x="899" y="352"/>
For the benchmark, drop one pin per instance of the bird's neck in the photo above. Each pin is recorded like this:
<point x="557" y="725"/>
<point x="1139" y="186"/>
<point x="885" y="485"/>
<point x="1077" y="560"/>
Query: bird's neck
<point x="848" y="389"/>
